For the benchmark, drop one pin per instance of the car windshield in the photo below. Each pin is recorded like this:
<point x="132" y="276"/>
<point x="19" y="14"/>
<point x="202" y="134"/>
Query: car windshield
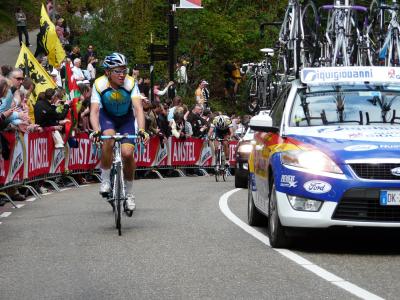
<point x="346" y="105"/>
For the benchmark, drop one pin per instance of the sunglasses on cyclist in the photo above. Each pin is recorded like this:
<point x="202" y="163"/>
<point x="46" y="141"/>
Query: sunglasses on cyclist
<point x="119" y="72"/>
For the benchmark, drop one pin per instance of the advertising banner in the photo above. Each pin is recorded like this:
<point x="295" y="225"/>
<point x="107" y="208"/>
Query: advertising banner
<point x="58" y="162"/>
<point x="39" y="153"/>
<point x="145" y="155"/>
<point x="184" y="152"/>
<point x="5" y="163"/>
<point x="206" y="155"/>
<point x="84" y="157"/>
<point x="232" y="158"/>
<point x="16" y="171"/>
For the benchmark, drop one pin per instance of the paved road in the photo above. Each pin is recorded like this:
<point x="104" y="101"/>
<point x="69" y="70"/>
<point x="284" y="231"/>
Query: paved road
<point x="178" y="245"/>
<point x="9" y="50"/>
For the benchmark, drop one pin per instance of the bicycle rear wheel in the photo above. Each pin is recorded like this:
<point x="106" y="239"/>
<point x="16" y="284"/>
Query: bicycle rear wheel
<point x="309" y="43"/>
<point x="117" y="198"/>
<point x="217" y="166"/>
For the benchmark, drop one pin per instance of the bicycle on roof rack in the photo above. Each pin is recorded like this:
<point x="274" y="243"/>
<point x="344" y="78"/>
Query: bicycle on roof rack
<point x="386" y="29"/>
<point x="262" y="81"/>
<point x="343" y="43"/>
<point x="298" y="38"/>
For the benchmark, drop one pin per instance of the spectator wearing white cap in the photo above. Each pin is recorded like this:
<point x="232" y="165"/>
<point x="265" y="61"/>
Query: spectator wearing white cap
<point x="56" y="76"/>
<point x="77" y="71"/>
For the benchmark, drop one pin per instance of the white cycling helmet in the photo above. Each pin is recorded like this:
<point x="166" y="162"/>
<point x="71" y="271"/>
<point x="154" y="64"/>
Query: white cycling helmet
<point x="114" y="60"/>
<point x="219" y="122"/>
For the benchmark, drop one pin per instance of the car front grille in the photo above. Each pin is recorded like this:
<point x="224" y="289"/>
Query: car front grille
<point x="381" y="171"/>
<point x="363" y="205"/>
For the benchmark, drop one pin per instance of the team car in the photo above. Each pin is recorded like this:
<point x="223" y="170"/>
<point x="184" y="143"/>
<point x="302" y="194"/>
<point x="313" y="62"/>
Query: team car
<point x="242" y="151"/>
<point x="328" y="154"/>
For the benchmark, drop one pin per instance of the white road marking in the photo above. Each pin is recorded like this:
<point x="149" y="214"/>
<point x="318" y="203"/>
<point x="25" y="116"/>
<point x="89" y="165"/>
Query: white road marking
<point x="320" y="272"/>
<point x="5" y="214"/>
<point x="48" y="193"/>
<point x="30" y="199"/>
<point x="65" y="189"/>
<point x="19" y="205"/>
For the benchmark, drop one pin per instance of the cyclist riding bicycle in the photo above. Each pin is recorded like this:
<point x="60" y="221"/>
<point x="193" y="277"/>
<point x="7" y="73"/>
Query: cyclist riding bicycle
<point x="115" y="106"/>
<point x="221" y="128"/>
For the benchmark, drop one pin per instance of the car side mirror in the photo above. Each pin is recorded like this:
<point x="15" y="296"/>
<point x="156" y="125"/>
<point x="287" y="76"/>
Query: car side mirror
<point x="263" y="123"/>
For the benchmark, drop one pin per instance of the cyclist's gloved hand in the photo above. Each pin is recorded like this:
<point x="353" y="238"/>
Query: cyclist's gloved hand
<point x="95" y="137"/>
<point x="144" y="136"/>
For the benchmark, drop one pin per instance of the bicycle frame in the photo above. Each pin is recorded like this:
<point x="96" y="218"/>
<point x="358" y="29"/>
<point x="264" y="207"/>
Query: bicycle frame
<point x="390" y="50"/>
<point x="117" y="176"/>
<point x="340" y="22"/>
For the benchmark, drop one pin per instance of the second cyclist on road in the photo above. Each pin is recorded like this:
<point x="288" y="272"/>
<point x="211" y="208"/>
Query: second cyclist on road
<point x="222" y="128"/>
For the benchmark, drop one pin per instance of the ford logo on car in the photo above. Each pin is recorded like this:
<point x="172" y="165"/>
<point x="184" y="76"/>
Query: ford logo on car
<point x="317" y="187"/>
<point x="395" y="171"/>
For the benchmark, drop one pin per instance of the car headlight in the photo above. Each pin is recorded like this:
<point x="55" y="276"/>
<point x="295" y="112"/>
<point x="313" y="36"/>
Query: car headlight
<point x="245" y="148"/>
<point x="313" y="160"/>
<point x="303" y="204"/>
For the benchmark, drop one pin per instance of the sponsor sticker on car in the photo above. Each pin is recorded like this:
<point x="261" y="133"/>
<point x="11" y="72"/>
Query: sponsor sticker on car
<point x="317" y="187"/>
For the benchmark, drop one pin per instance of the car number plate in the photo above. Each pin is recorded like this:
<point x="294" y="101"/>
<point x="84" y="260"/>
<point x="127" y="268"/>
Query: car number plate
<point x="390" y="198"/>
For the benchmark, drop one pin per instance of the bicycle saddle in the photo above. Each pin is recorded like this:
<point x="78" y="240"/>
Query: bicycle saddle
<point x="267" y="51"/>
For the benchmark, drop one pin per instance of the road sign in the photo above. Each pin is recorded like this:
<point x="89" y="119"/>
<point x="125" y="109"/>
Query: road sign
<point x="159" y="48"/>
<point x="160" y="57"/>
<point x="142" y="66"/>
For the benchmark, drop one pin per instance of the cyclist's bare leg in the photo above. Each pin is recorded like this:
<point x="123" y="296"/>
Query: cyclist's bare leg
<point x="106" y="158"/>
<point x="107" y="150"/>
<point x="127" y="152"/>
<point x="226" y="150"/>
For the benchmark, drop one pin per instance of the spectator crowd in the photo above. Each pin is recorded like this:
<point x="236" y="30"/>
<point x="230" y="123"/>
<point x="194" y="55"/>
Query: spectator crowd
<point x="167" y="115"/>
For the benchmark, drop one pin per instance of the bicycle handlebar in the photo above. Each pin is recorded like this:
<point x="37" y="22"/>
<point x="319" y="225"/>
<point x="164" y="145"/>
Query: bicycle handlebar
<point x="118" y="137"/>
<point x="389" y="7"/>
<point x="353" y="7"/>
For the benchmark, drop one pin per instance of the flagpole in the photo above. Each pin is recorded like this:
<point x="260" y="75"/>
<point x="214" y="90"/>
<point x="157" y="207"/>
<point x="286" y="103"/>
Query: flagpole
<point x="26" y="65"/>
<point x="171" y="40"/>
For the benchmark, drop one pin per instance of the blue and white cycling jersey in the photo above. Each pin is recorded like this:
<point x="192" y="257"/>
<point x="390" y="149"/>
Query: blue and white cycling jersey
<point x="116" y="102"/>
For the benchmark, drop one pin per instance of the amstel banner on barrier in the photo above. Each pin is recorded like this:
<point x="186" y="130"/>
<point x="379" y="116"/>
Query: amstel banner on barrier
<point x="39" y="153"/>
<point x="184" y="151"/>
<point x="85" y="157"/>
<point x="16" y="171"/>
<point x="5" y="163"/>
<point x="33" y="155"/>
<point x="152" y="154"/>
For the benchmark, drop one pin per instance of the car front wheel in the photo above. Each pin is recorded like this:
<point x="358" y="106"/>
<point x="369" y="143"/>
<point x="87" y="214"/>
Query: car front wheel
<point x="276" y="232"/>
<point x="254" y="217"/>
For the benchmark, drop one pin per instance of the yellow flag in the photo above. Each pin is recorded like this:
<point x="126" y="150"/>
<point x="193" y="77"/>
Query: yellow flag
<point x="36" y="72"/>
<point x="49" y="40"/>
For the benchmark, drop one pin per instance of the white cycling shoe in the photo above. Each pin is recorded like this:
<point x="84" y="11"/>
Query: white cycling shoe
<point x="105" y="187"/>
<point x="130" y="202"/>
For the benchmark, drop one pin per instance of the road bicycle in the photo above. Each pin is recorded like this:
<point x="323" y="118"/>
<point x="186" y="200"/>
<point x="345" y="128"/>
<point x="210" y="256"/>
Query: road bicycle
<point x="221" y="171"/>
<point x="298" y="37"/>
<point x="386" y="30"/>
<point x="262" y="81"/>
<point x="343" y="38"/>
<point x="117" y="196"/>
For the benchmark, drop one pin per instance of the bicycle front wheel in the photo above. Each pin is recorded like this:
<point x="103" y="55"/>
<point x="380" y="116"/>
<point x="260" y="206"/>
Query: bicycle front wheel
<point x="117" y="198"/>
